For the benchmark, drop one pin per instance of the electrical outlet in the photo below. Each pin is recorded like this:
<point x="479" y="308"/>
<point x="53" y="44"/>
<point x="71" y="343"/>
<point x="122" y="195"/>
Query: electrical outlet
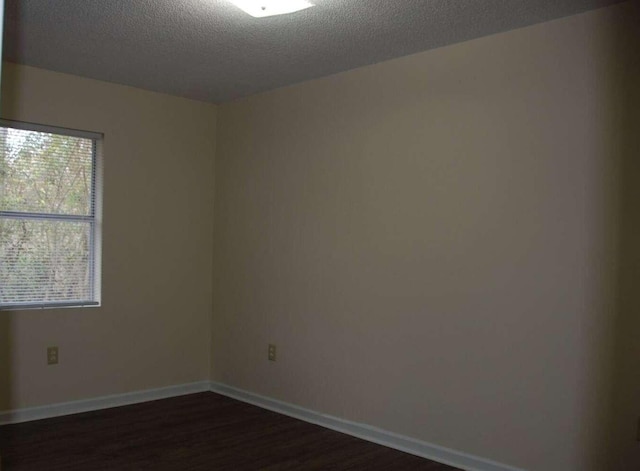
<point x="52" y="355"/>
<point x="272" y="352"/>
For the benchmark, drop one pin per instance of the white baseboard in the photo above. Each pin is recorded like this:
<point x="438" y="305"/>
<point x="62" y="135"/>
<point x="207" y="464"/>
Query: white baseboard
<point x="104" y="402"/>
<point x="366" y="432"/>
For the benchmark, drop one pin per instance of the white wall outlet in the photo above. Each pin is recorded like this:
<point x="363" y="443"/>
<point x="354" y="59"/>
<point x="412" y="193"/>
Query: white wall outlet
<point x="52" y="355"/>
<point x="272" y="352"/>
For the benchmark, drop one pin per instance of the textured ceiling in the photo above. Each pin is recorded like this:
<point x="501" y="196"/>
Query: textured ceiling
<point x="209" y="50"/>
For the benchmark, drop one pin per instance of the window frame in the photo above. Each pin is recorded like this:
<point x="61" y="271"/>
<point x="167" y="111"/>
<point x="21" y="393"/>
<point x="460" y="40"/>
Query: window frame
<point x="94" y="218"/>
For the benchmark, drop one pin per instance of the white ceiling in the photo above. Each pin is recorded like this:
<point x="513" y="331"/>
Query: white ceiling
<point x="210" y="50"/>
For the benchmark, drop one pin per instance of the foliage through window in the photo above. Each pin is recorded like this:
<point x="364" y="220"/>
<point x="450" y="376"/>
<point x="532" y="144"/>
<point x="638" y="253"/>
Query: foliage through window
<point x="49" y="229"/>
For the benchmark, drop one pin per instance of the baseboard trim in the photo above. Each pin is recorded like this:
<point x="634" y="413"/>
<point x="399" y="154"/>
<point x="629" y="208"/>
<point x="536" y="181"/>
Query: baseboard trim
<point x="366" y="432"/>
<point x="104" y="402"/>
<point x="410" y="445"/>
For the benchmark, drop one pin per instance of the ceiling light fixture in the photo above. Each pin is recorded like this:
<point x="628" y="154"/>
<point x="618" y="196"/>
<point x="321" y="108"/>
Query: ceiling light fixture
<point x="262" y="8"/>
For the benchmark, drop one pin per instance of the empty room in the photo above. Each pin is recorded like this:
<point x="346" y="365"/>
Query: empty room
<point x="320" y="235"/>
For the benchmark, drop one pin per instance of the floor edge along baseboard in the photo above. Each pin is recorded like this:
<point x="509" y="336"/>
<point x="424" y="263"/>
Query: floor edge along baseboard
<point x="366" y="432"/>
<point x="410" y="445"/>
<point x="104" y="402"/>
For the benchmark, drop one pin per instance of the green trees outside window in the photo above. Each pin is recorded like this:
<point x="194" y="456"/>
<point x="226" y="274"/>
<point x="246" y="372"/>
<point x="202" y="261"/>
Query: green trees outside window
<point x="47" y="218"/>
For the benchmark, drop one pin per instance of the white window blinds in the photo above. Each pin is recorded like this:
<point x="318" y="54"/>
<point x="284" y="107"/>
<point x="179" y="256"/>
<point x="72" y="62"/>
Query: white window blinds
<point x="48" y="226"/>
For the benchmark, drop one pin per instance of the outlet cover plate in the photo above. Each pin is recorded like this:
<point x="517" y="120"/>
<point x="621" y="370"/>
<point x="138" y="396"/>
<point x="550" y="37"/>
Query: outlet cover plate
<point x="272" y="352"/>
<point x="52" y="355"/>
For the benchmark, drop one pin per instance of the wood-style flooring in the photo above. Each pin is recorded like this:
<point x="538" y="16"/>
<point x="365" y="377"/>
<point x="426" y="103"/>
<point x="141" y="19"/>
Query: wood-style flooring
<point x="203" y="431"/>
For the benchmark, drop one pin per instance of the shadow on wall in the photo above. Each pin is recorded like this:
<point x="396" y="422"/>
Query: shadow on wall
<point x="618" y="436"/>
<point x="6" y="323"/>
<point x="5" y="361"/>
<point x="6" y="377"/>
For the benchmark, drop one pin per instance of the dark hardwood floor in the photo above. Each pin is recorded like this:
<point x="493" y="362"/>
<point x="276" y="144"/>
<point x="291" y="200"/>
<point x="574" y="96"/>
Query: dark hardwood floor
<point x="203" y="431"/>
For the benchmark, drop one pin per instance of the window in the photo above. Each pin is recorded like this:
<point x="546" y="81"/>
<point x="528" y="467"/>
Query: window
<point x="49" y="216"/>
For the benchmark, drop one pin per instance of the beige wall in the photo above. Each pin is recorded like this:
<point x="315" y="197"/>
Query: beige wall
<point x="152" y="329"/>
<point x="444" y="245"/>
<point x="431" y="243"/>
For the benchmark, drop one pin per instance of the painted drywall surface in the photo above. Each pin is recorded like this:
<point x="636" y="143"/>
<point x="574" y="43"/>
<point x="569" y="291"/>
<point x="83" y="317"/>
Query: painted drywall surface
<point x="430" y="242"/>
<point x="153" y="327"/>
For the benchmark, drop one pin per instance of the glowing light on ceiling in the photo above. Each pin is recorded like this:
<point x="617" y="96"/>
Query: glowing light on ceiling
<point x="262" y="8"/>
